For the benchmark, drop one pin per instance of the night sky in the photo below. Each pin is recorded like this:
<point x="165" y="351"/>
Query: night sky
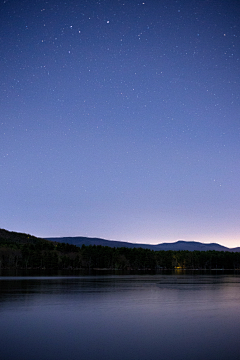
<point x="121" y="119"/>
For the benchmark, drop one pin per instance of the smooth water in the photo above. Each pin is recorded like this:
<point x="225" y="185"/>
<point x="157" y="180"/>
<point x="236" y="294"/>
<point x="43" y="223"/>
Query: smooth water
<point x="132" y="317"/>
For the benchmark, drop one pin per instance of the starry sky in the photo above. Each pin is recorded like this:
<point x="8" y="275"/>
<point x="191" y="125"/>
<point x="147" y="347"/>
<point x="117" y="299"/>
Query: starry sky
<point x="121" y="119"/>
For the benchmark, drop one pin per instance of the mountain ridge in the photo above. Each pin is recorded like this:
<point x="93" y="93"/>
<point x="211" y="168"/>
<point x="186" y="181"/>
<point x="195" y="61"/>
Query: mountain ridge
<point x="24" y="251"/>
<point x="81" y="240"/>
<point x="175" y="246"/>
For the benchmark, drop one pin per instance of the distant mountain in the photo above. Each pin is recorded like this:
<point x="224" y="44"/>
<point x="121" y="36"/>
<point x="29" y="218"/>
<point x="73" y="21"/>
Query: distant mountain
<point x="179" y="245"/>
<point x="80" y="240"/>
<point x="24" y="251"/>
<point x="11" y="236"/>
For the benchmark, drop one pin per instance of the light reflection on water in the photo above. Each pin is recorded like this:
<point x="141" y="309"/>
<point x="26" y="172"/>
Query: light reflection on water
<point x="120" y="317"/>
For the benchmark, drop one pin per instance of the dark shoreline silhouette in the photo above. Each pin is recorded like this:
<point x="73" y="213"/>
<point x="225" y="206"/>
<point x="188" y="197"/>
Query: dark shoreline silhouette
<point x="24" y="251"/>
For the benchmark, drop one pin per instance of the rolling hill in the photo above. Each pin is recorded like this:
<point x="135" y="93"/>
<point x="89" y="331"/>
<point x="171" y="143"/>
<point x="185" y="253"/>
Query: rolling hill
<point x="11" y="236"/>
<point x="178" y="245"/>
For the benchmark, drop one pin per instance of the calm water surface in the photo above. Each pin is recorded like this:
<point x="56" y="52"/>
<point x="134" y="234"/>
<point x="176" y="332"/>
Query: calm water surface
<point x="132" y="317"/>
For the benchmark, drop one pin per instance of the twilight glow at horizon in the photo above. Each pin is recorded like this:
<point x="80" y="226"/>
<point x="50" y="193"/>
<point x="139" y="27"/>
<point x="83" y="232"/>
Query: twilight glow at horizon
<point x="121" y="120"/>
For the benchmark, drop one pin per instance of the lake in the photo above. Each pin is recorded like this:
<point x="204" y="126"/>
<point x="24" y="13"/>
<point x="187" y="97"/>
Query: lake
<point x="132" y="317"/>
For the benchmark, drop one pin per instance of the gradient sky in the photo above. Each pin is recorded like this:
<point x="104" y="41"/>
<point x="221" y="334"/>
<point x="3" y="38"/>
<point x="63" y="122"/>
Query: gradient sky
<point x="121" y="119"/>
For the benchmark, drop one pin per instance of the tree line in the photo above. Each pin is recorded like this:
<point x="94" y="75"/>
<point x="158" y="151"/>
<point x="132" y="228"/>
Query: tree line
<point x="43" y="254"/>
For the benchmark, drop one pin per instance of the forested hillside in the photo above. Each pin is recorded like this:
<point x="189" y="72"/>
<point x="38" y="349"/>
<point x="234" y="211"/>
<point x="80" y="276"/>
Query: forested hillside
<point x="22" y="251"/>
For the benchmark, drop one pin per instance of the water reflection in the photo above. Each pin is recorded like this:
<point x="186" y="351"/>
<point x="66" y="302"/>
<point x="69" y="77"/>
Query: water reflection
<point x="120" y="317"/>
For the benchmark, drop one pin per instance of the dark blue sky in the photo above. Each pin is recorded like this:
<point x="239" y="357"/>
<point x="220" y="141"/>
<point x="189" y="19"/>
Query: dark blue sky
<point x="121" y="119"/>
